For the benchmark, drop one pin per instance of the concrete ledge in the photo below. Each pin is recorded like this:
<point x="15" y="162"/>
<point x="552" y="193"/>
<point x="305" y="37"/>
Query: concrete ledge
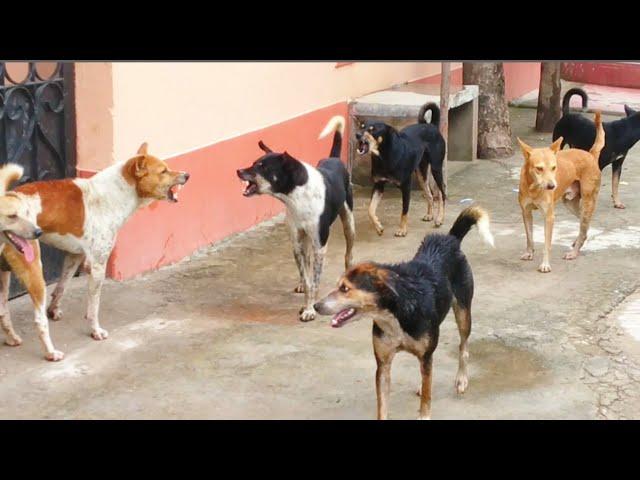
<point x="406" y="100"/>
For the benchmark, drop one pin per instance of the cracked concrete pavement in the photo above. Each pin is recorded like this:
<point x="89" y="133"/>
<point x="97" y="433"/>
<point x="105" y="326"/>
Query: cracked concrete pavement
<point x="216" y="336"/>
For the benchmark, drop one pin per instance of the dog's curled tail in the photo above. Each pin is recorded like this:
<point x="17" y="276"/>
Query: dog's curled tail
<point x="598" y="144"/>
<point x="9" y="173"/>
<point x="570" y="93"/>
<point x="469" y="217"/>
<point x="435" y="113"/>
<point x="335" y="124"/>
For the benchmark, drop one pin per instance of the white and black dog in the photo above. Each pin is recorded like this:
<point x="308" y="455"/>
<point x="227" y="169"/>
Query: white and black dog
<point x="314" y="198"/>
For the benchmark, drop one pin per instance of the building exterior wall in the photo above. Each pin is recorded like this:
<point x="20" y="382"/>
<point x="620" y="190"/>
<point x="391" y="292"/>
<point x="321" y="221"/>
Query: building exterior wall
<point x="206" y="118"/>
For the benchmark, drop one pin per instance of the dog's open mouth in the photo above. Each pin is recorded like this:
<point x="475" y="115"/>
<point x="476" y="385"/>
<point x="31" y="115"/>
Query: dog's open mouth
<point x="251" y="188"/>
<point x="172" y="193"/>
<point x="22" y="245"/>
<point x="363" y="147"/>
<point x="342" y="317"/>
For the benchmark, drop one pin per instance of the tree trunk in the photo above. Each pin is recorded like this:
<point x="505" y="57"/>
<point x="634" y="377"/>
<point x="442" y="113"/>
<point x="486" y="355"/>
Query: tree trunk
<point x="494" y="130"/>
<point x="445" y="78"/>
<point x="549" y="109"/>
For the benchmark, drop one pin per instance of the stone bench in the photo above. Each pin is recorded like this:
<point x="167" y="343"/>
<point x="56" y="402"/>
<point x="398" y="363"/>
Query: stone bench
<point x="399" y="107"/>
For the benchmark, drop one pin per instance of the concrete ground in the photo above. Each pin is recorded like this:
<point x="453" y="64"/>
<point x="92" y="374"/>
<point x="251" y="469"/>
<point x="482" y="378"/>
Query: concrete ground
<point x="217" y="336"/>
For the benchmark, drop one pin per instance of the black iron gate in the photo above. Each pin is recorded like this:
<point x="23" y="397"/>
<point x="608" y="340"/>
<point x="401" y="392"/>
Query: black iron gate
<point x="37" y="131"/>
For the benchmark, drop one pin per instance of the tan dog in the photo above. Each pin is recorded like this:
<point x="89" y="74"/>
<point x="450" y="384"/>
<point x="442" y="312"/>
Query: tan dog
<point x="82" y="217"/>
<point x="21" y="253"/>
<point x="548" y="175"/>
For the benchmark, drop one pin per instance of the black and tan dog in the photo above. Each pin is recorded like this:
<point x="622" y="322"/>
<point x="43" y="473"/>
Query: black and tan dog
<point x="410" y="300"/>
<point x="580" y="132"/>
<point x="396" y="155"/>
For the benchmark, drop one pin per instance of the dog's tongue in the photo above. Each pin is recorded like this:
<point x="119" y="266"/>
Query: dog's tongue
<point x="24" y="247"/>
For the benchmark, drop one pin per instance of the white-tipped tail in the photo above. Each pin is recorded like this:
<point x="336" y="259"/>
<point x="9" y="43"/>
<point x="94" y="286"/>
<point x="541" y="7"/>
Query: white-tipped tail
<point x="336" y="123"/>
<point x="484" y="230"/>
<point x="9" y="173"/>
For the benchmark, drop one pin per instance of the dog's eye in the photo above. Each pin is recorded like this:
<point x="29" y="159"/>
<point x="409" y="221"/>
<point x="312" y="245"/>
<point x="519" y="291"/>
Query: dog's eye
<point x="13" y="217"/>
<point x="344" y="288"/>
<point x="539" y="169"/>
<point x="362" y="125"/>
<point x="371" y="129"/>
<point x="553" y="169"/>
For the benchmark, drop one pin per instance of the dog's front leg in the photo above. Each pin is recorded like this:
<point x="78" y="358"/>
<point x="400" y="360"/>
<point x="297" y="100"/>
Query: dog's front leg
<point x="545" y="266"/>
<point x="527" y="218"/>
<point x="96" y="278"/>
<point x="384" y="356"/>
<point x="13" y="339"/>
<point x="376" y="196"/>
<point x="297" y="239"/>
<point x="406" y="200"/>
<point x="426" y="367"/>
<point x="616" y="171"/>
<point x="31" y="276"/>
<point x="312" y="282"/>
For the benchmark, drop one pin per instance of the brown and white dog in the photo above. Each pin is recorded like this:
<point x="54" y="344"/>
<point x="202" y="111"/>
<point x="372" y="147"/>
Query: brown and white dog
<point x="22" y="252"/>
<point x="82" y="217"/>
<point x="549" y="174"/>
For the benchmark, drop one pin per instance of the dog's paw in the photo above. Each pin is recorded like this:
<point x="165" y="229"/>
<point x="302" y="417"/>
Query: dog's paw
<point x="99" y="334"/>
<point x="619" y="205"/>
<point x="402" y="232"/>
<point x="437" y="223"/>
<point x="299" y="289"/>
<point x="379" y="228"/>
<point x="544" y="268"/>
<point x="54" y="356"/>
<point x="307" y="314"/>
<point x="526" y="256"/>
<point x="424" y="417"/>
<point x="428" y="217"/>
<point x="462" y="382"/>
<point x="54" y="313"/>
<point x="14" y="341"/>
<point x="570" y="255"/>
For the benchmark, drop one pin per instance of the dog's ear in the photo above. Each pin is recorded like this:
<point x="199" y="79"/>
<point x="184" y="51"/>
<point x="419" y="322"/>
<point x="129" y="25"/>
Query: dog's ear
<point x="143" y="149"/>
<point x="555" y="146"/>
<point x="629" y="111"/>
<point x="389" y="279"/>
<point x="140" y="165"/>
<point x="526" y="149"/>
<point x="264" y="148"/>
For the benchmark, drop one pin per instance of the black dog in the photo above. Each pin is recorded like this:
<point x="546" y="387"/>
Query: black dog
<point x="619" y="136"/>
<point x="410" y="300"/>
<point x="314" y="198"/>
<point x="395" y="156"/>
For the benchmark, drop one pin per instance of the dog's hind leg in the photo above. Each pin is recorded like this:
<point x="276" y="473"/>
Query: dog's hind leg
<point x="463" y="320"/>
<point x="586" y="212"/>
<point x="376" y="196"/>
<point x="406" y="201"/>
<point x="349" y="228"/>
<point x="69" y="268"/>
<point x="422" y="174"/>
<point x="616" y="172"/>
<point x="12" y="339"/>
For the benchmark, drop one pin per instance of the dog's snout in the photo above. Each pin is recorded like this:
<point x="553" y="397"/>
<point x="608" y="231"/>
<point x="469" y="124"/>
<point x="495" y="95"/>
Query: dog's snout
<point x="186" y="176"/>
<point x="317" y="306"/>
<point x="358" y="135"/>
<point x="551" y="186"/>
<point x="240" y="172"/>
<point x="37" y="233"/>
